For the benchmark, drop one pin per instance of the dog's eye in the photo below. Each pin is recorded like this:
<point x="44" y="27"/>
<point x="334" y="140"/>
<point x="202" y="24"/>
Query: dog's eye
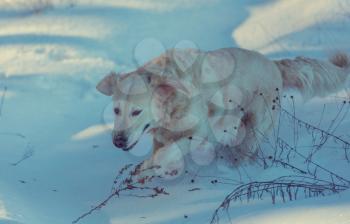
<point x="136" y="113"/>
<point x="117" y="111"/>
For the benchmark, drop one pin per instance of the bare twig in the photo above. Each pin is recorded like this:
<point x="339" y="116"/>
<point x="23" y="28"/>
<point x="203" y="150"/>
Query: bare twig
<point x="128" y="184"/>
<point x="287" y="188"/>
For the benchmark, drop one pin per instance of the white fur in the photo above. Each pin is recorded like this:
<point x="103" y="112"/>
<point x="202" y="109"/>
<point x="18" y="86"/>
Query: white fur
<point x="227" y="98"/>
<point x="313" y="77"/>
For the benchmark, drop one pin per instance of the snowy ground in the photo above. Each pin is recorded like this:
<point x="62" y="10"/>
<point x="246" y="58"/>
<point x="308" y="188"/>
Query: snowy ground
<point x="56" y="156"/>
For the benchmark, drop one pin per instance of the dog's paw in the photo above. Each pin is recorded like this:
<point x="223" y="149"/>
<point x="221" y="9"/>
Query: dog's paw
<point x="170" y="162"/>
<point x="167" y="163"/>
<point x="146" y="165"/>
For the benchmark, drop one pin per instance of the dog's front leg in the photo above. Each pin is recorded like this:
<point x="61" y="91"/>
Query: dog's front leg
<point x="147" y="166"/>
<point x="167" y="161"/>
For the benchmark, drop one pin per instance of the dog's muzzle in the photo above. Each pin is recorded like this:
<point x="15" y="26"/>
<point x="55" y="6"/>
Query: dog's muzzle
<point x="120" y="141"/>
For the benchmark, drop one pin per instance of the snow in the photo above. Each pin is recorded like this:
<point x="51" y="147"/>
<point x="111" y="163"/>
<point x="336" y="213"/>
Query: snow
<point x="92" y="131"/>
<point x="333" y="209"/>
<point x="56" y="127"/>
<point x="3" y="212"/>
<point x="295" y="26"/>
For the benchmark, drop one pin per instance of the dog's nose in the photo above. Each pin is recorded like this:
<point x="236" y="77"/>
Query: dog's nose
<point x="120" y="141"/>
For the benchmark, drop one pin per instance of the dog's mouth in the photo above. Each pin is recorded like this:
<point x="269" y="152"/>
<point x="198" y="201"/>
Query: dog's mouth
<point x="145" y="128"/>
<point x="130" y="147"/>
<point x="133" y="144"/>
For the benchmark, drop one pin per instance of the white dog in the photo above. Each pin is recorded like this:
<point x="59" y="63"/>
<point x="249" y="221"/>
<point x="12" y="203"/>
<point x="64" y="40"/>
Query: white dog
<point x="190" y="100"/>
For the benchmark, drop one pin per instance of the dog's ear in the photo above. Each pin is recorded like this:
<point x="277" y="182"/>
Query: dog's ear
<point x="165" y="84"/>
<point x="164" y="90"/>
<point x="107" y="84"/>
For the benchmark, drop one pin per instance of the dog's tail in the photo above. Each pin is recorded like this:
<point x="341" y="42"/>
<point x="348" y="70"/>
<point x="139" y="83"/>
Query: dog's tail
<point x="313" y="77"/>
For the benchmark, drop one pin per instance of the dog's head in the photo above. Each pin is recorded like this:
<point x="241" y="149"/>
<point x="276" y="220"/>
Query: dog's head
<point x="141" y="102"/>
<point x="130" y="107"/>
